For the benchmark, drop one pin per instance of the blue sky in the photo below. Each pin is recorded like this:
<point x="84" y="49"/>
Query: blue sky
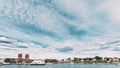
<point x="59" y="28"/>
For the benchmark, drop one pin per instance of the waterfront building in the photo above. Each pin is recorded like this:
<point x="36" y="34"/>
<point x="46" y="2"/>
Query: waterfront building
<point x="108" y="60"/>
<point x="20" y="59"/>
<point x="82" y="60"/>
<point x="94" y="60"/>
<point x="27" y="58"/>
<point x="20" y="56"/>
<point x="1" y="61"/>
<point x="115" y="59"/>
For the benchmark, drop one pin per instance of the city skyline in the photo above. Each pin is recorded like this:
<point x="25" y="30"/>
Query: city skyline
<point x="60" y="28"/>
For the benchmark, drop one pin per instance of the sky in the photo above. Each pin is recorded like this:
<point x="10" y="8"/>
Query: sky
<point x="60" y="28"/>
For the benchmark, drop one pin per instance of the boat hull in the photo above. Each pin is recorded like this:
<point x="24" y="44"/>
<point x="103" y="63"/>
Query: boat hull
<point x="37" y="64"/>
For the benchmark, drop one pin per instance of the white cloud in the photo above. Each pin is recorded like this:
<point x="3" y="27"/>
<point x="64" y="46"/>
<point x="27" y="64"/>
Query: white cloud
<point x="112" y="9"/>
<point x="99" y="33"/>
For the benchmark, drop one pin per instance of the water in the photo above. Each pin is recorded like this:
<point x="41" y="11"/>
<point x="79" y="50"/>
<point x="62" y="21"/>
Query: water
<point x="62" y="66"/>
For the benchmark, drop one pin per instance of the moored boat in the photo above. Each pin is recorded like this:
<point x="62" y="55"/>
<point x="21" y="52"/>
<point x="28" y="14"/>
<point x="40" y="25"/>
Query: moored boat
<point x="38" y="62"/>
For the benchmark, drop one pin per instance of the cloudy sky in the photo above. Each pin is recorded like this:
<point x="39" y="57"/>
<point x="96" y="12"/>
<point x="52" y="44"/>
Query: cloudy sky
<point x="60" y="28"/>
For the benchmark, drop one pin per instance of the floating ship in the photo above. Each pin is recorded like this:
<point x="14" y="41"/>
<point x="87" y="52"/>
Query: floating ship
<point x="38" y="62"/>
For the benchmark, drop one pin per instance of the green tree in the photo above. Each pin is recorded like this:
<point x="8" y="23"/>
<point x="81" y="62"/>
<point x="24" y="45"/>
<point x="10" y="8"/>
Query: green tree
<point x="76" y="60"/>
<point x="98" y="58"/>
<point x="69" y="58"/>
<point x="62" y="59"/>
<point x="7" y="60"/>
<point x="51" y="60"/>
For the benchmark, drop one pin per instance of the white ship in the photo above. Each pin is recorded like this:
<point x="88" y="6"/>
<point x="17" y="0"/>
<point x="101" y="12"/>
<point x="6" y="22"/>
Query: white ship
<point x="38" y="62"/>
<point x="6" y="63"/>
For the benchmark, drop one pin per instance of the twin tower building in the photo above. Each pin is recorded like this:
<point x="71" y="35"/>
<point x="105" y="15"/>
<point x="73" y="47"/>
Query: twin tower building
<point x="20" y="56"/>
<point x="24" y="60"/>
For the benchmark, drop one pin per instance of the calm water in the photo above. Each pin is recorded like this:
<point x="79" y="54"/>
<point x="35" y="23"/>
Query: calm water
<point x="62" y="66"/>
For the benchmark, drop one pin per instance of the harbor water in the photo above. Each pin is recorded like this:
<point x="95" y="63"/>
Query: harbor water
<point x="62" y="66"/>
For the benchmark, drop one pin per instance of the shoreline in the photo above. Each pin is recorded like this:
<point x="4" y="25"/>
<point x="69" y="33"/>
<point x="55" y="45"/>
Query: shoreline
<point x="65" y="63"/>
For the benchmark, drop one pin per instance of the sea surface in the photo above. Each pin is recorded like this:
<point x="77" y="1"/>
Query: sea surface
<point x="62" y="66"/>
